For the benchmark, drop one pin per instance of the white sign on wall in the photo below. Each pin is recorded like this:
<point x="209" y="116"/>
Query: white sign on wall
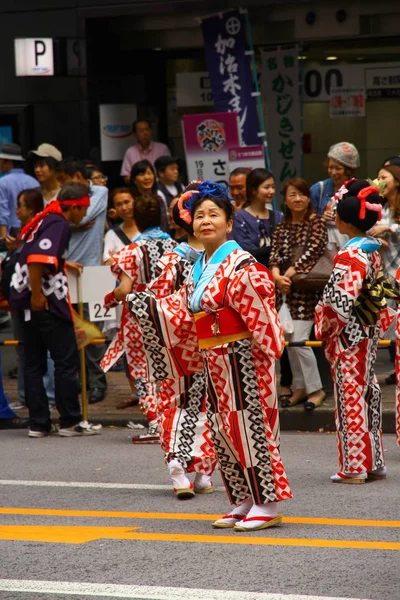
<point x="34" y="57"/>
<point x="193" y="89"/>
<point x="116" y="132"/>
<point x="383" y="82"/>
<point x="380" y="80"/>
<point x="347" y="102"/>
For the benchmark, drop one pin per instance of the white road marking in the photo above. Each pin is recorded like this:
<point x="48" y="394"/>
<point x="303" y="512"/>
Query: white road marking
<point x="143" y="592"/>
<point x="90" y="484"/>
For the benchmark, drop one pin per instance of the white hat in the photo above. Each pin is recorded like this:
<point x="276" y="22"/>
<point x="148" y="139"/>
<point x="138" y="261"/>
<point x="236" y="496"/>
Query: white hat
<point x="46" y="151"/>
<point x="11" y="152"/>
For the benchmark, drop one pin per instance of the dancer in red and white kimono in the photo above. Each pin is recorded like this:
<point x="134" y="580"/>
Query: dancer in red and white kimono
<point x="134" y="267"/>
<point x="227" y="311"/>
<point x="398" y="364"/>
<point x="184" y="429"/>
<point x="351" y="318"/>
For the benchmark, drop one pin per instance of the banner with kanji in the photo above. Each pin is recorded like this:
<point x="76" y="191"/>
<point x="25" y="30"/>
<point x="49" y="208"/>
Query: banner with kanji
<point x="208" y="138"/>
<point x="280" y="88"/>
<point x="229" y="68"/>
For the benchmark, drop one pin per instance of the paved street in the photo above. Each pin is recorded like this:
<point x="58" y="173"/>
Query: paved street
<point x="96" y="517"/>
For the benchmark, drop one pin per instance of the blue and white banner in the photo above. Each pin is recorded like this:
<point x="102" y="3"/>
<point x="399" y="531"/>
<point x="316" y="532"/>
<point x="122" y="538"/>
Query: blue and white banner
<point x="229" y="68"/>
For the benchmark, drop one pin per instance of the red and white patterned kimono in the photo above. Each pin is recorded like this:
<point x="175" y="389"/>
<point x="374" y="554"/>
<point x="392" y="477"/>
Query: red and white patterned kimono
<point x="350" y="319"/>
<point x="241" y="388"/>
<point x="398" y="364"/>
<point x="184" y="430"/>
<point x="138" y="261"/>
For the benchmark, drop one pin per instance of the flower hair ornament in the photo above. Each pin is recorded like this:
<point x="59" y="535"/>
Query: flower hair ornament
<point x="185" y="203"/>
<point x="342" y="191"/>
<point x="213" y="190"/>
<point x="364" y="204"/>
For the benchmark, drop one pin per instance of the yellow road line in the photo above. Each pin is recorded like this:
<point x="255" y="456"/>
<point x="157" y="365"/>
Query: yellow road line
<point x="49" y="512"/>
<point x="81" y="535"/>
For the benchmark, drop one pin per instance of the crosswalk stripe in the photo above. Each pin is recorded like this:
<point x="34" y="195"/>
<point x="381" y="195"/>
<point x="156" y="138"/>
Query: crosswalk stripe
<point x="143" y="592"/>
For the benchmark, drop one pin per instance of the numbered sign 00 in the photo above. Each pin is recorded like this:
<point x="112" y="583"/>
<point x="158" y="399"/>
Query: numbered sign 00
<point x="98" y="312"/>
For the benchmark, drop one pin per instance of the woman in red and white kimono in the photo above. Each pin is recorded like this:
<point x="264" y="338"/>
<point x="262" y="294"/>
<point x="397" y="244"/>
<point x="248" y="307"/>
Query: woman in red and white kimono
<point x="227" y="311"/>
<point x="398" y="364"/>
<point x="184" y="429"/>
<point x="134" y="267"/>
<point x="350" y="319"/>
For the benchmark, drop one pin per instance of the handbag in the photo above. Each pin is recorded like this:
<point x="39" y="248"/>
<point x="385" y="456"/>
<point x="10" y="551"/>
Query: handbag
<point x="317" y="278"/>
<point x="285" y="317"/>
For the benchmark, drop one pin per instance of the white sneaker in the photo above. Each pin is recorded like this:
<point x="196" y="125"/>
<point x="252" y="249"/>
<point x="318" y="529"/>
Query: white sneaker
<point x="151" y="437"/>
<point x="38" y="434"/>
<point x="82" y="428"/>
<point x="17" y="405"/>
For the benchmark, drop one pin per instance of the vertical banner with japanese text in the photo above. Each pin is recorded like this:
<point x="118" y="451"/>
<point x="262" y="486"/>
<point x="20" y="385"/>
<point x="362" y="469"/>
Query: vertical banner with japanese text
<point x="280" y="86"/>
<point x="208" y="138"/>
<point x="229" y="68"/>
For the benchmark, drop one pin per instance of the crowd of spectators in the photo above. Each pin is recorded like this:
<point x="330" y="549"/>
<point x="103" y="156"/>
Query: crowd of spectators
<point x="107" y="223"/>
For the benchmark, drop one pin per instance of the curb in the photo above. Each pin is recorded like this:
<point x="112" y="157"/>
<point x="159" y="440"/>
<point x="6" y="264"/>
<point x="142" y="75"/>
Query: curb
<point x="291" y="419"/>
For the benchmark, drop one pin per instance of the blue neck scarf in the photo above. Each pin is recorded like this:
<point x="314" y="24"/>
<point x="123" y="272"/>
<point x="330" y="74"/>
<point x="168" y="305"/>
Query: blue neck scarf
<point x="154" y="233"/>
<point x="368" y="244"/>
<point x="187" y="252"/>
<point x="204" y="272"/>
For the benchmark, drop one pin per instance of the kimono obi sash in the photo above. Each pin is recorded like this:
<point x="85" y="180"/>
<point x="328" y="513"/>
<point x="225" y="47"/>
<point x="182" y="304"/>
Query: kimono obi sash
<point x="220" y="327"/>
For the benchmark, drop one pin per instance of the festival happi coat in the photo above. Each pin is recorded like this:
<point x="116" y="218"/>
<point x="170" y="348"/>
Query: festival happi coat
<point x="351" y="318"/>
<point x="184" y="430"/>
<point x="241" y="388"/>
<point x="138" y="261"/>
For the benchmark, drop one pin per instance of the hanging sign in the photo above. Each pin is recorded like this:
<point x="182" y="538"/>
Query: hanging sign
<point x="116" y="132"/>
<point x="383" y="82"/>
<point x="193" y="89"/>
<point x="280" y="75"/>
<point x="252" y="157"/>
<point x="34" y="57"/>
<point x="347" y="102"/>
<point x="229" y="68"/>
<point x="208" y="138"/>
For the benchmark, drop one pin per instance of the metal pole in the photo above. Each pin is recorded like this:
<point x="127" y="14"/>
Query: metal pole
<point x="257" y="94"/>
<point x="82" y="357"/>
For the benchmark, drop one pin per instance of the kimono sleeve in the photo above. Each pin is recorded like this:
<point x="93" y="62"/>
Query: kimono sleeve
<point x="334" y="311"/>
<point x="165" y="282"/>
<point x="128" y="261"/>
<point x="252" y="294"/>
<point x="169" y="334"/>
<point x="49" y="245"/>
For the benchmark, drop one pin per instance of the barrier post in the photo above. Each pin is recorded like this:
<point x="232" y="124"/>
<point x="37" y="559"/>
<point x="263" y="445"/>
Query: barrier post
<point x="82" y="357"/>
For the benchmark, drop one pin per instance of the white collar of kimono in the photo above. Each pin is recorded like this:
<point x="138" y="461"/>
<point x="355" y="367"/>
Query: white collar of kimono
<point x="203" y="274"/>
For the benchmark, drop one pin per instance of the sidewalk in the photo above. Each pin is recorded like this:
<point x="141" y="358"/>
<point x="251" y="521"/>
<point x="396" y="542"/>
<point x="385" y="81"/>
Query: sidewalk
<point x="292" y="419"/>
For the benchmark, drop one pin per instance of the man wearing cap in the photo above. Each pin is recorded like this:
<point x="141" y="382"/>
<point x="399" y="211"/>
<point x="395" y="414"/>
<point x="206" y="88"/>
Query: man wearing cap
<point x="14" y="181"/>
<point x="168" y="184"/>
<point x="45" y="161"/>
<point x="39" y="288"/>
<point x="145" y="148"/>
